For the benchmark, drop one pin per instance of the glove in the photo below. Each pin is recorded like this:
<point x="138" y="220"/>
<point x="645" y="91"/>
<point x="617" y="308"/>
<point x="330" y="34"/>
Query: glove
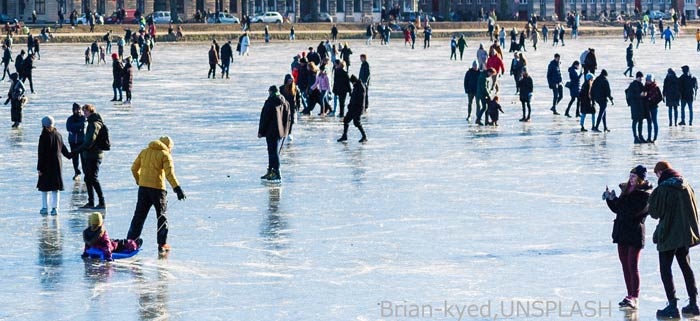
<point x="180" y="194"/>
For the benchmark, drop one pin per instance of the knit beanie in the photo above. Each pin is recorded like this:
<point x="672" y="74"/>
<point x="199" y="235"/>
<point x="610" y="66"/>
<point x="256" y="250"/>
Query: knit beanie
<point x="47" y="121"/>
<point x="640" y="171"/>
<point x="167" y="141"/>
<point x="95" y="219"/>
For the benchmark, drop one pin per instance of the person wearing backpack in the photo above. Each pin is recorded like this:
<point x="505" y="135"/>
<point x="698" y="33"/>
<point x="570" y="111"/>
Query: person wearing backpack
<point x="689" y="86"/>
<point x="150" y="169"/>
<point x="96" y="140"/>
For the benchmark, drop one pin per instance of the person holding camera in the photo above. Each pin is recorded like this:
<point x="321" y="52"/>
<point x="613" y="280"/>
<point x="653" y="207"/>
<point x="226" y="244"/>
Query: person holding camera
<point x="631" y="210"/>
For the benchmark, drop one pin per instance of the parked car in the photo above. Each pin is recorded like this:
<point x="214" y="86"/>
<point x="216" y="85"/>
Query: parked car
<point x="223" y="18"/>
<point x="267" y="17"/>
<point x="160" y="17"/>
<point x="322" y="17"/>
<point x="411" y="16"/>
<point x="82" y="20"/>
<point x="655" y="14"/>
<point x="128" y="19"/>
<point x="6" y="19"/>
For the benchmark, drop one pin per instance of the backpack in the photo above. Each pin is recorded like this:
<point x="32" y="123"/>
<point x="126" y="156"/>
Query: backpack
<point x="102" y="141"/>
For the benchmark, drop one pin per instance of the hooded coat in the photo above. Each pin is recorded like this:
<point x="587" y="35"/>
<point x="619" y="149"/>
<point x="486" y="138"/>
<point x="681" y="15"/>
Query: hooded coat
<point x="671" y="90"/>
<point x="275" y="117"/>
<point x="585" y="98"/>
<point x="631" y="210"/>
<point x="93" y="128"/>
<point x="574" y="81"/>
<point x="673" y="204"/>
<point x="155" y="164"/>
<point x="49" y="162"/>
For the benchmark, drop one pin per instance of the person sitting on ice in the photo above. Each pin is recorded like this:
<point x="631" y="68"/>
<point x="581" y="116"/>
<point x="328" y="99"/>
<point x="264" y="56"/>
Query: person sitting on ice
<point x="95" y="236"/>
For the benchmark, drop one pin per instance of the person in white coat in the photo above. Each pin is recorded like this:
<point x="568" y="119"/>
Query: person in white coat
<point x="245" y="44"/>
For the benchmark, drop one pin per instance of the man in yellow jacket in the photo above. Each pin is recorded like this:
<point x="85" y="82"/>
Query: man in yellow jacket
<point x="150" y="169"/>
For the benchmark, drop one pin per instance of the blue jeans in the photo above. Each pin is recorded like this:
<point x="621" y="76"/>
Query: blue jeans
<point x="583" y="119"/>
<point x="652" y="120"/>
<point x="117" y="89"/>
<point x="688" y="102"/>
<point x="109" y="47"/>
<point x="672" y="115"/>
<point x="602" y="115"/>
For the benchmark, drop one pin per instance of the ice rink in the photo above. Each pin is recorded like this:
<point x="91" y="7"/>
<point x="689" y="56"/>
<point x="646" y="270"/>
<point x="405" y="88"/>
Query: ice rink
<point x="430" y="211"/>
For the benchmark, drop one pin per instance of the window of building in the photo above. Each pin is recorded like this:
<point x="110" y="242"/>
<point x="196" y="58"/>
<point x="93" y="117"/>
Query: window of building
<point x="100" y="7"/>
<point x="661" y="1"/>
<point x="358" y="6"/>
<point x="40" y="6"/>
<point x="592" y="1"/>
<point x="377" y="5"/>
<point x="523" y="1"/>
<point x="572" y="2"/>
<point x="690" y="2"/>
<point x="468" y="1"/>
<point x="612" y="1"/>
<point x="493" y="1"/>
<point x="650" y="1"/>
<point x="339" y="6"/>
<point x="478" y="1"/>
<point x="324" y="6"/>
<point x="583" y="1"/>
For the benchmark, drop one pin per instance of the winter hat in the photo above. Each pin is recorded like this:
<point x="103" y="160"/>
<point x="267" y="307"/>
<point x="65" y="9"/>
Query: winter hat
<point x="95" y="219"/>
<point x="639" y="74"/>
<point x="115" y="56"/>
<point x="685" y="68"/>
<point x="167" y="141"/>
<point x="640" y="171"/>
<point x="47" y="121"/>
<point x="589" y="76"/>
<point x="76" y="106"/>
<point x="604" y="73"/>
<point x="475" y="64"/>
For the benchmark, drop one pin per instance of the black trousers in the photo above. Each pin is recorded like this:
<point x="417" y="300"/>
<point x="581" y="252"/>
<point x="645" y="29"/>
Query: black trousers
<point x="356" y="120"/>
<point x="150" y="197"/>
<point x="665" y="261"/>
<point x="273" y="152"/>
<point x="6" y="70"/>
<point x="341" y="102"/>
<point x="91" y="169"/>
<point x="76" y="158"/>
<point x="16" y="110"/>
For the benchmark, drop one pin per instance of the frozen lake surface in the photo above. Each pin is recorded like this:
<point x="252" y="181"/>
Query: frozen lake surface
<point x="430" y="210"/>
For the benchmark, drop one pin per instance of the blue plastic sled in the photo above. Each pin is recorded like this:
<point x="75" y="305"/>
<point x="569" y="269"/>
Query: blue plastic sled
<point x="98" y="254"/>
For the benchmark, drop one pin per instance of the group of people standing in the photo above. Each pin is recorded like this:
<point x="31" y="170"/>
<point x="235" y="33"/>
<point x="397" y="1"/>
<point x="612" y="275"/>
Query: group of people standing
<point x="673" y="203"/>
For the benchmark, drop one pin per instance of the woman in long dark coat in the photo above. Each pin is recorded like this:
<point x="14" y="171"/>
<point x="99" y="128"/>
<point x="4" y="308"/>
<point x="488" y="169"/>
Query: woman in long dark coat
<point x="574" y="88"/>
<point x="672" y="94"/>
<point x="128" y="79"/>
<point x="587" y="102"/>
<point x="49" y="165"/>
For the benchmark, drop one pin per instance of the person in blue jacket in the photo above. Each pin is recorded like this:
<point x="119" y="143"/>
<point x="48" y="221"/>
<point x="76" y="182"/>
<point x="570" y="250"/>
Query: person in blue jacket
<point x="75" y="125"/>
<point x="554" y="81"/>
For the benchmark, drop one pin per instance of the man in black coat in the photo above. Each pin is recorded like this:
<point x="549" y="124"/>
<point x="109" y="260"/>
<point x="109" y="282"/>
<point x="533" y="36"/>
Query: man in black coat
<point x="355" y="109"/>
<point x="18" y="62"/>
<point x="689" y="86"/>
<point x="365" y="77"/>
<point x="601" y="93"/>
<point x="226" y="58"/>
<point x="6" y="59"/>
<point x="470" y="79"/>
<point x="75" y="125"/>
<point x="117" y="70"/>
<point x="274" y="125"/>
<point x="313" y="56"/>
<point x="92" y="157"/>
<point x="341" y="85"/>
<point x="633" y="95"/>
<point x="27" y="67"/>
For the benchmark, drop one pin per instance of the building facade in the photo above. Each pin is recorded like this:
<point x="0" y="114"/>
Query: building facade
<point x="350" y="10"/>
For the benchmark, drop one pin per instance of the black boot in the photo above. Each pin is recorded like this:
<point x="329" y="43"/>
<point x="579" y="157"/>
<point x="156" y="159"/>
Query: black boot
<point x="364" y="136"/>
<point x="691" y="309"/>
<point x="267" y="175"/>
<point x="101" y="205"/>
<point x="274" y="175"/>
<point x="345" y="133"/>
<point x="669" y="312"/>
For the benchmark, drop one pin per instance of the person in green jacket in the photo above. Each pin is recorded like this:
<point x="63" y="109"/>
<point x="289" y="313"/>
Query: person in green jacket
<point x="483" y="94"/>
<point x="91" y="154"/>
<point x="461" y="44"/>
<point x="673" y="204"/>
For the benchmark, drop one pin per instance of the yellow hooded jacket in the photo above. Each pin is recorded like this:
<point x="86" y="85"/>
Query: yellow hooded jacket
<point x="152" y="163"/>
